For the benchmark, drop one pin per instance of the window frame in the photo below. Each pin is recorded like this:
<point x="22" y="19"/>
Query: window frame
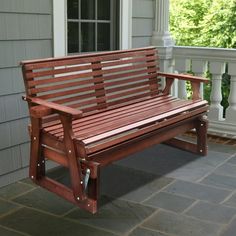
<point x="60" y="26"/>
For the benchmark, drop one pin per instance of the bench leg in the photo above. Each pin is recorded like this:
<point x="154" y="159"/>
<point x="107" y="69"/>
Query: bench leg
<point x="201" y="132"/>
<point x="37" y="162"/>
<point x="200" y="147"/>
<point x="74" y="166"/>
<point x="94" y="187"/>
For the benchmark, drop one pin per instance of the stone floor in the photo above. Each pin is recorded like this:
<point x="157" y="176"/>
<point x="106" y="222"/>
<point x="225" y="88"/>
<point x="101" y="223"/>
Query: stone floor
<point x="158" y="192"/>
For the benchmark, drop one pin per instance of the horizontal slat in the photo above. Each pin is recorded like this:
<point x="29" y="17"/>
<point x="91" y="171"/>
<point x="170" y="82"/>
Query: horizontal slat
<point x="124" y="149"/>
<point x="128" y="93"/>
<point x="86" y="131"/>
<point x="145" y="130"/>
<point x="144" y="122"/>
<point x="128" y="119"/>
<point x="84" y="75"/>
<point x="114" y="114"/>
<point x="52" y="62"/>
<point x="57" y="71"/>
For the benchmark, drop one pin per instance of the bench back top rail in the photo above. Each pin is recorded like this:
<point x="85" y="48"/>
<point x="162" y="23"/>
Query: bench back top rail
<point x="91" y="82"/>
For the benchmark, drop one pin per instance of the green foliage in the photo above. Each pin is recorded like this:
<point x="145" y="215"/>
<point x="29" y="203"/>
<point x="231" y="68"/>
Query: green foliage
<point x="210" y="23"/>
<point x="206" y="23"/>
<point x="185" y="20"/>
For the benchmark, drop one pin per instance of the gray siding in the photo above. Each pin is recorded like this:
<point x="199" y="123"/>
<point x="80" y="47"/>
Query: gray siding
<point x="142" y="23"/>
<point x="26" y="33"/>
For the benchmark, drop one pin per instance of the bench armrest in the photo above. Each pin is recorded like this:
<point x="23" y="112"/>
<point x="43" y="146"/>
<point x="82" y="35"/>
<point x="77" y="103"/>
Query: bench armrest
<point x="184" y="77"/>
<point x="46" y="108"/>
<point x="194" y="80"/>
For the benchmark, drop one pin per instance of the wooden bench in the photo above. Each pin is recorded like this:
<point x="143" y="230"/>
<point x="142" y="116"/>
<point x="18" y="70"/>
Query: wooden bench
<point x="90" y="110"/>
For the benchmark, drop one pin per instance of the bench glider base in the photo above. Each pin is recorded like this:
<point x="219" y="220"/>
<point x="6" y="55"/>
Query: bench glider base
<point x="91" y="193"/>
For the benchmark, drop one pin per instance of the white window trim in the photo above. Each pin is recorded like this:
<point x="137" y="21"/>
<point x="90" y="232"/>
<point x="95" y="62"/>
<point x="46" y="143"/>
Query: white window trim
<point x="60" y="26"/>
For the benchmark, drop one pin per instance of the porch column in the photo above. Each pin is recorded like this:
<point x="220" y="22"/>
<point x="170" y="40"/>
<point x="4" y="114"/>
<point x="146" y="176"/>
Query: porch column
<point x="161" y="38"/>
<point x="161" y="35"/>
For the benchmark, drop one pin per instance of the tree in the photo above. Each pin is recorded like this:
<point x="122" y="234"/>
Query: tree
<point x="185" y="20"/>
<point x="219" y="25"/>
<point x="208" y="23"/>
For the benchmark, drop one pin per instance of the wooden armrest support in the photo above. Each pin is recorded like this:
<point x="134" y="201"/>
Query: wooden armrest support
<point x="195" y="83"/>
<point x="47" y="108"/>
<point x="40" y="111"/>
<point x="184" y="77"/>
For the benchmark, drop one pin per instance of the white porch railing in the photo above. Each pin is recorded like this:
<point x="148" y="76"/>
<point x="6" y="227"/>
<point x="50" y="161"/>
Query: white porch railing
<point x="199" y="58"/>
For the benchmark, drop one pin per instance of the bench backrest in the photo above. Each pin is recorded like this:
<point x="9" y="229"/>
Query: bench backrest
<point x="91" y="82"/>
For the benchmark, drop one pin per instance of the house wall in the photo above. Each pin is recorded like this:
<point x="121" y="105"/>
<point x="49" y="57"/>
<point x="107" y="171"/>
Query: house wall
<point x="26" y="33"/>
<point x="142" y="22"/>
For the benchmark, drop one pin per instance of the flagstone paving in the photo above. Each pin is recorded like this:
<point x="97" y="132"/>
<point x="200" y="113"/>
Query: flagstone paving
<point x="161" y="191"/>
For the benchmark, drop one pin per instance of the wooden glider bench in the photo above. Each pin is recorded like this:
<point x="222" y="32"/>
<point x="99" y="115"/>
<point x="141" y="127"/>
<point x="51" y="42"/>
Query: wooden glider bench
<point x="90" y="110"/>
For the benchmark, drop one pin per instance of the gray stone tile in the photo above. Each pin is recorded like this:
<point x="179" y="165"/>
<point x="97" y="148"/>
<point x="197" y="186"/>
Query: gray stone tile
<point x="212" y="212"/>
<point x="169" y="202"/>
<point x="13" y="190"/>
<point x="45" y="200"/>
<point x="6" y="207"/>
<point x="28" y="181"/>
<point x="37" y="224"/>
<point x="130" y="184"/>
<point x="222" y="148"/>
<point x="231" y="201"/>
<point x="193" y="171"/>
<point x="145" y="232"/>
<point x="226" y="169"/>
<point x="232" y="160"/>
<point x="159" y="159"/>
<point x="222" y="181"/>
<point x="8" y="232"/>
<point x="116" y="215"/>
<point x="198" y="191"/>
<point x="230" y="230"/>
<point x="180" y="225"/>
<point x="175" y="163"/>
<point x="57" y="172"/>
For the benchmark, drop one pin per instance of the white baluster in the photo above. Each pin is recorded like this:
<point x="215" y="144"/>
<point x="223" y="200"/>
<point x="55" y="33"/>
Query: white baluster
<point x="182" y="66"/>
<point x="199" y="67"/>
<point x="216" y="110"/>
<point x="231" y="110"/>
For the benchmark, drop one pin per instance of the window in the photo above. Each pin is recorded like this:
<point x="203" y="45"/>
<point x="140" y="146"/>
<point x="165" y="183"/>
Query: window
<point x="92" y="25"/>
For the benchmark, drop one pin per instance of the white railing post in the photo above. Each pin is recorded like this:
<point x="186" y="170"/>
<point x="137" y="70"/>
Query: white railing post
<point x="161" y="35"/>
<point x="231" y="110"/>
<point x="182" y="66"/>
<point x="199" y="67"/>
<point x="218" y="57"/>
<point x="216" y="110"/>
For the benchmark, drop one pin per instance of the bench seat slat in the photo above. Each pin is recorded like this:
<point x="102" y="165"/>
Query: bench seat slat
<point x="101" y="127"/>
<point x="113" y="112"/>
<point x="141" y="123"/>
<point x="83" y="125"/>
<point x="109" y="143"/>
<point x="100" y="131"/>
<point x="120" y="121"/>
